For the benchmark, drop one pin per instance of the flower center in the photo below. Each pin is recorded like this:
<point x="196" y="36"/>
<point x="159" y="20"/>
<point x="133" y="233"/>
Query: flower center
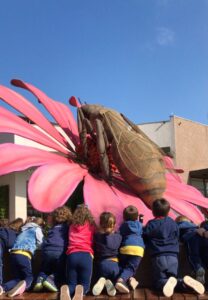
<point x="93" y="157"/>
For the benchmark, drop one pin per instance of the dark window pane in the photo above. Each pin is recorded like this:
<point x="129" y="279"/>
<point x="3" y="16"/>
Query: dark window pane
<point x="4" y="202"/>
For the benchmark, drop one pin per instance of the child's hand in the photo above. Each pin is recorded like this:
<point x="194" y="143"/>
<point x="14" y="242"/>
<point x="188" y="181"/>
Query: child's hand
<point x="201" y="231"/>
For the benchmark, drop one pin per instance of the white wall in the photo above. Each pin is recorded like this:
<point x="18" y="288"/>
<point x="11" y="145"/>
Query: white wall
<point x="158" y="132"/>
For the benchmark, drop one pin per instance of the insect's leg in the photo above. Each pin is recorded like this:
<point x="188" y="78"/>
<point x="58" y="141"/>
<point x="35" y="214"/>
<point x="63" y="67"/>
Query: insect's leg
<point x="102" y="144"/>
<point x="82" y="131"/>
<point x="90" y="129"/>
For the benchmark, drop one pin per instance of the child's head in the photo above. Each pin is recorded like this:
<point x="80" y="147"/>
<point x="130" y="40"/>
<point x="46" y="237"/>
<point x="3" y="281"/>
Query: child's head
<point x="107" y="222"/>
<point x="4" y="222"/>
<point x="37" y="220"/>
<point x="61" y="215"/>
<point x="160" y="208"/>
<point x="130" y="213"/>
<point x="16" y="224"/>
<point x="182" y="218"/>
<point x="81" y="215"/>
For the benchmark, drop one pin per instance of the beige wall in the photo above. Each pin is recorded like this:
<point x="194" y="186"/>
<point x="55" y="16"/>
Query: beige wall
<point x="191" y="145"/>
<point x="17" y="193"/>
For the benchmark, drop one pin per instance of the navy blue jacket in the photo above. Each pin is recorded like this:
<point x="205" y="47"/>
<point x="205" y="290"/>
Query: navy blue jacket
<point x="205" y="225"/>
<point x="57" y="238"/>
<point x="161" y="237"/>
<point x="106" y="245"/>
<point x="187" y="230"/>
<point x="7" y="238"/>
<point x="132" y="241"/>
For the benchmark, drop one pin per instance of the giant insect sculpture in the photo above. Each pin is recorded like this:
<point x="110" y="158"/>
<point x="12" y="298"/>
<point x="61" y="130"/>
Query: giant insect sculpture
<point x="137" y="158"/>
<point x="111" y="156"/>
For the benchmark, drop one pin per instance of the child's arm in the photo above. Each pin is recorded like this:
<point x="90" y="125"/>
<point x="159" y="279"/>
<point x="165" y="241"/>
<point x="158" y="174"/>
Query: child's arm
<point x="149" y="230"/>
<point x="202" y="232"/>
<point x="39" y="237"/>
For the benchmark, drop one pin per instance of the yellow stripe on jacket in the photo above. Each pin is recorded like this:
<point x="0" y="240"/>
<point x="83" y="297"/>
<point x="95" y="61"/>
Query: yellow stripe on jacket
<point x="132" y="250"/>
<point x="22" y="252"/>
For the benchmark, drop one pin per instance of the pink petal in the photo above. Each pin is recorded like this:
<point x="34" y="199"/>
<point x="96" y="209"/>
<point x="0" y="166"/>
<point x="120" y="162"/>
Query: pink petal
<point x="182" y="191"/>
<point x="60" y="112"/>
<point x="99" y="197"/>
<point x="50" y="186"/>
<point x="18" y="158"/>
<point x="170" y="165"/>
<point x="128" y="198"/>
<point x="10" y="123"/>
<point x="185" y="208"/>
<point x="25" y="107"/>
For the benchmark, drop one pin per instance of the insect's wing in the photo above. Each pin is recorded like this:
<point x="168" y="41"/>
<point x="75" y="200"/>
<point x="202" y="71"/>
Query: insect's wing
<point x="138" y="155"/>
<point x="139" y="161"/>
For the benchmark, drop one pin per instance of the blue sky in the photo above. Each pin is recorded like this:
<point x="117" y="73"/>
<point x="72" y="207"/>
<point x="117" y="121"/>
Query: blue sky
<point x="145" y="58"/>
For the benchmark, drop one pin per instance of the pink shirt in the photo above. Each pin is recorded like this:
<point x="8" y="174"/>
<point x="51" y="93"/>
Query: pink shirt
<point x="81" y="238"/>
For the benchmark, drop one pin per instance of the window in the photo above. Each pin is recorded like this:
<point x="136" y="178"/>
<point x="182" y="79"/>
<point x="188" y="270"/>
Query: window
<point x="4" y="202"/>
<point x="200" y="184"/>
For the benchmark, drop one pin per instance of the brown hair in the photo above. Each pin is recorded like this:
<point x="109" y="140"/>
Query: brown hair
<point x="4" y="222"/>
<point x="182" y="219"/>
<point x="160" y="207"/>
<point x="61" y="215"/>
<point x="130" y="213"/>
<point x="82" y="215"/>
<point x="107" y="222"/>
<point x="16" y="224"/>
<point x="37" y="220"/>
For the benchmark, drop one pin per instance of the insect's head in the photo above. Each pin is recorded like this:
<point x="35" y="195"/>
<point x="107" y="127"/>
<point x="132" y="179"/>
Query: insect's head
<point x="91" y="111"/>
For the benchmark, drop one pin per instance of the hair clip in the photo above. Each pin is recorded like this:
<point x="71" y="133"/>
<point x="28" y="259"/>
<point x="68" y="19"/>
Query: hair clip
<point x="82" y="205"/>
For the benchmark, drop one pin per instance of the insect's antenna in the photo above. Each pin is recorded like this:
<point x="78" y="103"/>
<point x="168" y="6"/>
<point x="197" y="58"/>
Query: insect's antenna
<point x="79" y="100"/>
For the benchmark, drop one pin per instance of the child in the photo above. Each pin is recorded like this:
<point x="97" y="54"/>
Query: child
<point x="21" y="254"/>
<point x="203" y="232"/>
<point x="132" y="249"/>
<point x="4" y="222"/>
<point x="106" y="246"/>
<point x="79" y="253"/>
<point x="161" y="235"/>
<point x="53" y="252"/>
<point x="194" y="243"/>
<point x="8" y="234"/>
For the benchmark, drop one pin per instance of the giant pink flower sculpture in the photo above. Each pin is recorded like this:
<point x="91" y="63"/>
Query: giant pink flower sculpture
<point x="62" y="169"/>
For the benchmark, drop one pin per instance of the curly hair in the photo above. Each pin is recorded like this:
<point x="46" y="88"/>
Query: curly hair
<point x="61" y="215"/>
<point x="16" y="224"/>
<point x="82" y="215"/>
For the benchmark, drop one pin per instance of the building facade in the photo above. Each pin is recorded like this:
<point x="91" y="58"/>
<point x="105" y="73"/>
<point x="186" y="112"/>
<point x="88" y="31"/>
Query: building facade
<point x="187" y="142"/>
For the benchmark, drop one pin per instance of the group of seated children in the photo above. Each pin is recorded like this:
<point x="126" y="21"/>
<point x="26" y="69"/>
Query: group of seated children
<point x="73" y="241"/>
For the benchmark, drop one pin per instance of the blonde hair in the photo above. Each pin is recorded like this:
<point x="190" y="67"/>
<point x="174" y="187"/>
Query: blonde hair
<point x="182" y="218"/>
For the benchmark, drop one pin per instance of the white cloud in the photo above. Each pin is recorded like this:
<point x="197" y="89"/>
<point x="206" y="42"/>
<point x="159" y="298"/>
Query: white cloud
<point x="165" y="36"/>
